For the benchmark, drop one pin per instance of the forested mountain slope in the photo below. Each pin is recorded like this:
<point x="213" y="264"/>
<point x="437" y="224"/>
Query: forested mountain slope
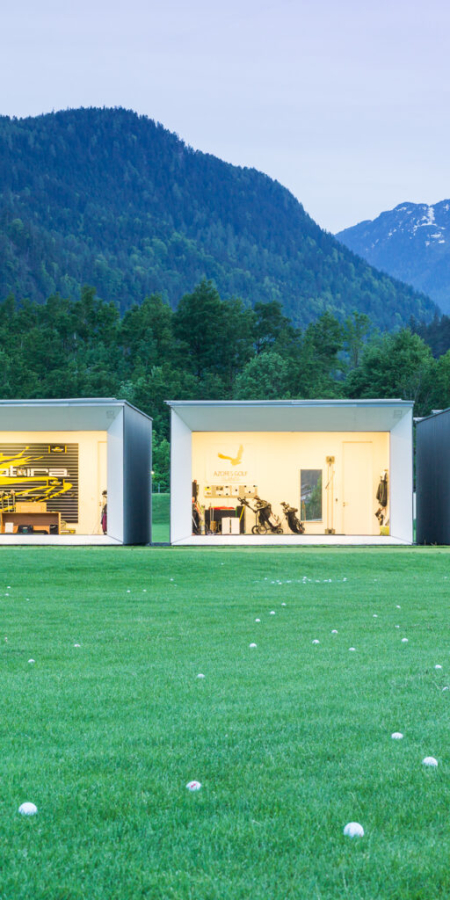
<point x="411" y="242"/>
<point x="109" y="198"/>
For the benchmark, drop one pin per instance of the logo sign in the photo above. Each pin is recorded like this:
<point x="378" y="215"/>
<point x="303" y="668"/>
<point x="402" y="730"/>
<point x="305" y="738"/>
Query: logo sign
<point x="40" y="472"/>
<point x="232" y="463"/>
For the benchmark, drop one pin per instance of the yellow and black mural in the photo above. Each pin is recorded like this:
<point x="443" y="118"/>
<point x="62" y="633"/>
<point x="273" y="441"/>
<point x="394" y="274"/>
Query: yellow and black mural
<point x="40" y="472"/>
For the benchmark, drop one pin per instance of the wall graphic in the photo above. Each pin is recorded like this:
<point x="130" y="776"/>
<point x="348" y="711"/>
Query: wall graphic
<point x="231" y="463"/>
<point x="40" y="472"/>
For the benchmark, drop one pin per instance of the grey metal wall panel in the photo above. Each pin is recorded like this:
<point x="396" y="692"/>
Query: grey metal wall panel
<point x="137" y="467"/>
<point x="433" y="479"/>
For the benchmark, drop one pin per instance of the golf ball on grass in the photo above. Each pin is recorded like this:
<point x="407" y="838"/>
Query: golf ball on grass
<point x="352" y="649"/>
<point x="31" y="660"/>
<point x="438" y="667"/>
<point x="252" y="645"/>
<point x="404" y="640"/>
<point x="397" y="736"/>
<point x="193" y="785"/>
<point x="354" y="829"/>
<point x="430" y="761"/>
<point x="200" y="675"/>
<point x="334" y="631"/>
<point x="28" y="809"/>
<point x="316" y="641"/>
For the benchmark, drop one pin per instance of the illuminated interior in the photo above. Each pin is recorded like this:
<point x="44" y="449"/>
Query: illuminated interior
<point x="53" y="482"/>
<point x="313" y="482"/>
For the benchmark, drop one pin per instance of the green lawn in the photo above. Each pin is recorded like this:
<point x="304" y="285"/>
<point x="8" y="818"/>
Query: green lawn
<point x="160" y="518"/>
<point x="290" y="740"/>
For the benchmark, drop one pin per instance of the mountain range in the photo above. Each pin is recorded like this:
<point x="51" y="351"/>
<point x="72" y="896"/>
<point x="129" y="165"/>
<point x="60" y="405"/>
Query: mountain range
<point x="112" y="199"/>
<point x="410" y="242"/>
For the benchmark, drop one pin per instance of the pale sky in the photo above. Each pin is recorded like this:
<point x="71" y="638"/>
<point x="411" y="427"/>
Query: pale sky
<point x="346" y="104"/>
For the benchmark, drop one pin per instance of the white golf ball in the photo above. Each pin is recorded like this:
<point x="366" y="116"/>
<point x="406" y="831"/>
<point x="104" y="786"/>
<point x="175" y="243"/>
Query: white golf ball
<point x="438" y="667"/>
<point x="128" y="592"/>
<point x="28" y="809"/>
<point x="316" y="641"/>
<point x="200" y="675"/>
<point x="283" y="604"/>
<point x="257" y="620"/>
<point x="430" y="761"/>
<point x="352" y="649"/>
<point x="404" y="640"/>
<point x="397" y="736"/>
<point x="31" y="660"/>
<point x="252" y="645"/>
<point x="272" y="612"/>
<point x="334" y="631"/>
<point x="354" y="829"/>
<point x="397" y="606"/>
<point x="77" y="645"/>
<point x="193" y="785"/>
<point x="375" y="616"/>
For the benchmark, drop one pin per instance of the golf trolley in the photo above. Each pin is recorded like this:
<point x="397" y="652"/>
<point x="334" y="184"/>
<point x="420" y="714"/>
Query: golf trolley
<point x="266" y="520"/>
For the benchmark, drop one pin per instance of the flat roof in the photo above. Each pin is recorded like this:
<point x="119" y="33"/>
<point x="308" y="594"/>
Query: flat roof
<point x="434" y="415"/>
<point x="69" y="414"/>
<point x="271" y="403"/>
<point x="291" y="415"/>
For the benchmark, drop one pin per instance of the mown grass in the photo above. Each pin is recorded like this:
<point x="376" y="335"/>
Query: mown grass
<point x="160" y="518"/>
<point x="290" y="740"/>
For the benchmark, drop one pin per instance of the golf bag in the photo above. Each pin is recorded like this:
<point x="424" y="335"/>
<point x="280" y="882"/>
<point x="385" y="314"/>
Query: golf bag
<point x="293" y="521"/>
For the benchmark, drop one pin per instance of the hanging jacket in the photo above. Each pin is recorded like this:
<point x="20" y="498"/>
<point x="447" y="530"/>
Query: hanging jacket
<point x="382" y="492"/>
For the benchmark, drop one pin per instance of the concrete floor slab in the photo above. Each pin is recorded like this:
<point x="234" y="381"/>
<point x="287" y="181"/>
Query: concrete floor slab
<point x="58" y="540"/>
<point x="290" y="540"/>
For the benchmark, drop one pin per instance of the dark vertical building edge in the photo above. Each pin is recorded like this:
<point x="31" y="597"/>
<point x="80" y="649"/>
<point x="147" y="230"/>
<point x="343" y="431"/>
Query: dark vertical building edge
<point x="137" y="466"/>
<point x="433" y="479"/>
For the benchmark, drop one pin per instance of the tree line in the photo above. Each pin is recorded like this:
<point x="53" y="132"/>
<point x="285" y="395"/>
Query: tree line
<point x="207" y="349"/>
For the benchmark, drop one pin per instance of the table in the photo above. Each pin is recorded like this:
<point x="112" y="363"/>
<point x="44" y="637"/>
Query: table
<point x="40" y="521"/>
<point x="217" y="513"/>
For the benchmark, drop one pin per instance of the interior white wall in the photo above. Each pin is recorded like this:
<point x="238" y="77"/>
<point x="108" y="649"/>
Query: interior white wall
<point x="401" y="466"/>
<point x="180" y="480"/>
<point x="274" y="460"/>
<point x="115" y="478"/>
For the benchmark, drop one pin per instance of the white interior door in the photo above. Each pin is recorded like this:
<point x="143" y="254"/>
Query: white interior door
<point x="357" y="488"/>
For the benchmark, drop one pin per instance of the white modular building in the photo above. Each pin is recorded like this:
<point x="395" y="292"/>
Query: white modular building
<point x="74" y="472"/>
<point x="291" y="471"/>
